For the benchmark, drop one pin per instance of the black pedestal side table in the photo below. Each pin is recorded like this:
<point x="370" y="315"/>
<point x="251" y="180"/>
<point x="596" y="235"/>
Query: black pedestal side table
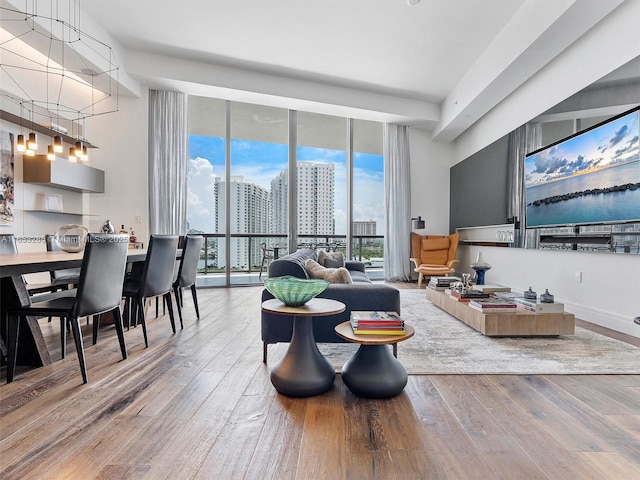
<point x="303" y="371"/>
<point x="373" y="372"/>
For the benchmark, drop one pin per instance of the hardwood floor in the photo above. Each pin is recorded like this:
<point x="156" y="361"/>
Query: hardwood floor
<point x="199" y="404"/>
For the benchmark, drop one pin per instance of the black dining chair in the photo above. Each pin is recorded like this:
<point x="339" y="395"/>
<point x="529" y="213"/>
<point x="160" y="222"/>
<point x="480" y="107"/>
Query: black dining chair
<point x="186" y="274"/>
<point x="155" y="279"/>
<point x="8" y="245"/>
<point x="99" y="291"/>
<point x="65" y="276"/>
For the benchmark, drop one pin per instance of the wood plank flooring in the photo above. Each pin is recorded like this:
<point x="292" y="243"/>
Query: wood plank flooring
<point x="199" y="405"/>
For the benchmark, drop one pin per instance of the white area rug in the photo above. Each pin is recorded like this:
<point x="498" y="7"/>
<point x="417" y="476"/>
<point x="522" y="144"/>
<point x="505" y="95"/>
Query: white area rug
<point x="444" y="345"/>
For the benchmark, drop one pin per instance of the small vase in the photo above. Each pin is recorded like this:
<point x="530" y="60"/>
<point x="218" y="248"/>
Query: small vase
<point x="107" y="227"/>
<point x="546" y="297"/>
<point x="480" y="262"/>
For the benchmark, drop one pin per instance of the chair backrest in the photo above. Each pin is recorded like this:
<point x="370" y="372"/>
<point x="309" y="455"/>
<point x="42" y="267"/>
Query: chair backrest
<point x="8" y="244"/>
<point x="65" y="273"/>
<point x="157" y="274"/>
<point x="188" y="269"/>
<point x="101" y="273"/>
<point x="434" y="249"/>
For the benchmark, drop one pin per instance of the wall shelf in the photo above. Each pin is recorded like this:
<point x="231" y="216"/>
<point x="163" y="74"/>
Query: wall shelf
<point x="49" y="212"/>
<point x="63" y="174"/>
<point x="501" y="235"/>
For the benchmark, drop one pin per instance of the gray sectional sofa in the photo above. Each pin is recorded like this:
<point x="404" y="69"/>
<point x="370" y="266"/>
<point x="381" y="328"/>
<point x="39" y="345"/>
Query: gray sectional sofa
<point x="362" y="294"/>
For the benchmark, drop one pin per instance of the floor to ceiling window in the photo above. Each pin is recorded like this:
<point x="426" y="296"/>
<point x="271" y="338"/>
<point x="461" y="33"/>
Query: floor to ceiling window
<point x="241" y="169"/>
<point x="368" y="193"/>
<point x="322" y="179"/>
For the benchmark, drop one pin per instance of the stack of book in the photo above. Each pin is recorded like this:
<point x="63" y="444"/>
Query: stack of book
<point x="467" y="295"/>
<point x="538" y="307"/>
<point x="493" y="305"/>
<point x="377" y="323"/>
<point x="440" y="283"/>
<point x="491" y="288"/>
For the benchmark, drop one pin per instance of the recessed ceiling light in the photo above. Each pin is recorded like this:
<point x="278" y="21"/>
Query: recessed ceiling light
<point x="413" y="3"/>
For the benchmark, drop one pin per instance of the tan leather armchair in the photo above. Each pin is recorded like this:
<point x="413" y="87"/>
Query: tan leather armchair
<point x="433" y="255"/>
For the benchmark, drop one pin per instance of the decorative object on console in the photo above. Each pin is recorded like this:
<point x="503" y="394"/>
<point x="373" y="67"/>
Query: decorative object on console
<point x="546" y="297"/>
<point x="530" y="295"/>
<point x="107" y="227"/>
<point x="71" y="238"/>
<point x="480" y="266"/>
<point x="295" y="292"/>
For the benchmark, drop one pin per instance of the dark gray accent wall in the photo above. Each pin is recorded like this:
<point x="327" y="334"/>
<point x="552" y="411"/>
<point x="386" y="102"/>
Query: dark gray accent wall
<point x="479" y="188"/>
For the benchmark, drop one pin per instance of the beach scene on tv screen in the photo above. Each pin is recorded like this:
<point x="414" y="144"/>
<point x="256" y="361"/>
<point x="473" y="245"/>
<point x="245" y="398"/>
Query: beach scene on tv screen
<point x="591" y="178"/>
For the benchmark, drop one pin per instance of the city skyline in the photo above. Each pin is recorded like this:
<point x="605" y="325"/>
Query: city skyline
<point x="206" y="162"/>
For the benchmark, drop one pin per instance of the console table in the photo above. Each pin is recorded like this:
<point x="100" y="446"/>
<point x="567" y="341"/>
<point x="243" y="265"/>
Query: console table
<point x="510" y="324"/>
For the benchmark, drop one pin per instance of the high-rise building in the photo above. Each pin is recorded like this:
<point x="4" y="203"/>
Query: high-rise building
<point x="250" y="213"/>
<point x="315" y="194"/>
<point x="366" y="227"/>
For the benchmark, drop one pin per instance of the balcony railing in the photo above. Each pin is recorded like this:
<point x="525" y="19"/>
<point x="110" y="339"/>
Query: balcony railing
<point x="247" y="258"/>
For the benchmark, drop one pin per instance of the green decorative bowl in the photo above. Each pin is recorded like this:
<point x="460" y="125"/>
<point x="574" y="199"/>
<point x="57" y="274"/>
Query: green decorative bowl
<point x="295" y="292"/>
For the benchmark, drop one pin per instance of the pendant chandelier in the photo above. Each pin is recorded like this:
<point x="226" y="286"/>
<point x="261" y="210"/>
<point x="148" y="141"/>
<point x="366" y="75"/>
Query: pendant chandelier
<point x="54" y="70"/>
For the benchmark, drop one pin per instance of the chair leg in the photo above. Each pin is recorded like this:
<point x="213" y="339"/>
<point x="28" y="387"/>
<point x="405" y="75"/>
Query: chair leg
<point x="77" y="337"/>
<point x="96" y="324"/>
<point x="264" y="352"/>
<point x="420" y="277"/>
<point x="13" y="327"/>
<point x="140" y="308"/>
<point x="117" y="314"/>
<point x="195" y="300"/>
<point x="127" y="316"/>
<point x="63" y="335"/>
<point x="167" y="297"/>
<point x="176" y="294"/>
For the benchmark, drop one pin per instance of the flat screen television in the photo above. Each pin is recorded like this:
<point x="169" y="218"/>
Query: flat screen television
<point x="589" y="178"/>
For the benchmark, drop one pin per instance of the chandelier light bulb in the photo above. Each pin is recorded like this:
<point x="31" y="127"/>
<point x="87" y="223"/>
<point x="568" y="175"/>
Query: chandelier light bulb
<point x="57" y="144"/>
<point x="32" y="143"/>
<point x="85" y="154"/>
<point x="51" y="155"/>
<point x="20" y="145"/>
<point x="72" y="155"/>
<point x="29" y="153"/>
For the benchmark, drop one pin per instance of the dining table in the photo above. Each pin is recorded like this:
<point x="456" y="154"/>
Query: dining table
<point x="32" y="349"/>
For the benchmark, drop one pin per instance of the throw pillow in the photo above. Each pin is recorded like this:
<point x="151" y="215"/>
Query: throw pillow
<point x="331" y="275"/>
<point x="331" y="259"/>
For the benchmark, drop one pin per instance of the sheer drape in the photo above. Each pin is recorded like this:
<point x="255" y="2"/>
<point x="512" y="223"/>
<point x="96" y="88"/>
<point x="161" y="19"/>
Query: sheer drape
<point x="168" y="158"/>
<point x="522" y="140"/>
<point x="397" y="202"/>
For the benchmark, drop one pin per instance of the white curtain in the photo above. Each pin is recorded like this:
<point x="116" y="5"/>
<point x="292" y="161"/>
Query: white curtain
<point x="397" y="203"/>
<point x="522" y="140"/>
<point x="168" y="159"/>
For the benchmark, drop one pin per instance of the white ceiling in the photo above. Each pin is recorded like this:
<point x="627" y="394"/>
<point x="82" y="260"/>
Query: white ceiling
<point x="383" y="46"/>
<point x="441" y="64"/>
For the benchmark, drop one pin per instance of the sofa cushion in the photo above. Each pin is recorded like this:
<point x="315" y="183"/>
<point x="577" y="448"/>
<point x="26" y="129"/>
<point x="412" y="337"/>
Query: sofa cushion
<point x="331" y="259"/>
<point x="332" y="275"/>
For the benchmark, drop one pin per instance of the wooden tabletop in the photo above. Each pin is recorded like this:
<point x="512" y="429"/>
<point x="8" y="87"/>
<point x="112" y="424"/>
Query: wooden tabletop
<point x="32" y="262"/>
<point x="316" y="307"/>
<point x="345" y="331"/>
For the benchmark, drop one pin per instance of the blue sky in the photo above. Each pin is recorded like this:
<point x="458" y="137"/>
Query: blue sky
<point x="259" y="162"/>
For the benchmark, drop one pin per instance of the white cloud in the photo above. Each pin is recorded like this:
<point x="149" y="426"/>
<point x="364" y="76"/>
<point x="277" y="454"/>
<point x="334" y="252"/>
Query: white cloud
<point x="200" y="195"/>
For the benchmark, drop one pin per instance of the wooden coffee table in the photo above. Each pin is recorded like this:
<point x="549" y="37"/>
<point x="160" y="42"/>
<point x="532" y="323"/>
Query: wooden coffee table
<point x="373" y="372"/>
<point x="303" y="372"/>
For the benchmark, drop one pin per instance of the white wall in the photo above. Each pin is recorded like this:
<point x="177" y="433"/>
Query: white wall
<point x="122" y="138"/>
<point x="609" y="294"/>
<point x="430" y="165"/>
